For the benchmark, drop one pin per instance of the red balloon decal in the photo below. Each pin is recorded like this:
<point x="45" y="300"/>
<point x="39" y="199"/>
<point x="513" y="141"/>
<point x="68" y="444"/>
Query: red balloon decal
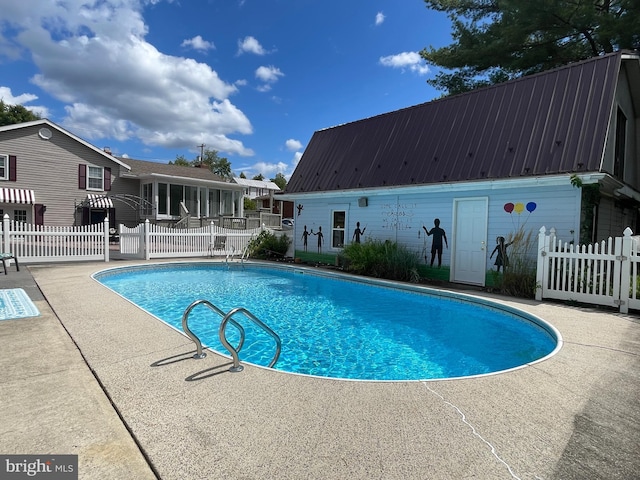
<point x="508" y="207"/>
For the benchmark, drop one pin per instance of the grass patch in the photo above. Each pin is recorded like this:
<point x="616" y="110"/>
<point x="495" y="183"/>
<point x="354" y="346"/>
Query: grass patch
<point x="518" y="278"/>
<point x="381" y="259"/>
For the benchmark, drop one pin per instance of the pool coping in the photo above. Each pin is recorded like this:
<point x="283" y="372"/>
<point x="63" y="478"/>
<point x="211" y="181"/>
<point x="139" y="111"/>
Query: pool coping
<point x="574" y="415"/>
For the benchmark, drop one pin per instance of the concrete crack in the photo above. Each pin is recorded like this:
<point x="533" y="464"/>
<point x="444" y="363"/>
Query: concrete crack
<point x="475" y="432"/>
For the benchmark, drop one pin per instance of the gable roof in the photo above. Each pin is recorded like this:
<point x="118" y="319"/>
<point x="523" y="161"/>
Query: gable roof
<point x="48" y="123"/>
<point x="145" y="169"/>
<point x="256" y="183"/>
<point x="549" y="123"/>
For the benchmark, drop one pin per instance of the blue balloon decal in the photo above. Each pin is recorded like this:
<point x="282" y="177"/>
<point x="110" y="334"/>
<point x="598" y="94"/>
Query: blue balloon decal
<point x="531" y="206"/>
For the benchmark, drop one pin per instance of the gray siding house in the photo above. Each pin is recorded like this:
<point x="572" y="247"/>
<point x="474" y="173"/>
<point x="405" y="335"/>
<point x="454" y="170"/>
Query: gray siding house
<point x="49" y="176"/>
<point x="558" y="149"/>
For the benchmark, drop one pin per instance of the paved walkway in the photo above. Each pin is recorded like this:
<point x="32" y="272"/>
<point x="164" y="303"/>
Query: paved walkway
<point x="574" y="416"/>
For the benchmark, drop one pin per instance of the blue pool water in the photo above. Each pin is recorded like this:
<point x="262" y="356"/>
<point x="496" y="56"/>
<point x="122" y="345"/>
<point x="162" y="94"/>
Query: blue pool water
<point x="340" y="328"/>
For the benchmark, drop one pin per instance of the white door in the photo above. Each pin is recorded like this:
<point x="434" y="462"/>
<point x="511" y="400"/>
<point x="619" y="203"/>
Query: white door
<point x="469" y="257"/>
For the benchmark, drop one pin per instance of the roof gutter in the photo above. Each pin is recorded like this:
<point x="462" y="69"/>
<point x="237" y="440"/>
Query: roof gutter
<point x="199" y="181"/>
<point x="555" y="180"/>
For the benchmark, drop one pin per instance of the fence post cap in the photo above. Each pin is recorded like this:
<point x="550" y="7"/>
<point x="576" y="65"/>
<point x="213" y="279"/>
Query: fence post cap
<point x="627" y="232"/>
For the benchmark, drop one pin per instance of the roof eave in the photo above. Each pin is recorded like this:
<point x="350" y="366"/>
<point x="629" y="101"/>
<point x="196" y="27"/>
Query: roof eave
<point x="200" y="181"/>
<point x="49" y="123"/>
<point x="481" y="185"/>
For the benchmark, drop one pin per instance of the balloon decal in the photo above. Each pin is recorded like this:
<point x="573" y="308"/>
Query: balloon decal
<point x="518" y="208"/>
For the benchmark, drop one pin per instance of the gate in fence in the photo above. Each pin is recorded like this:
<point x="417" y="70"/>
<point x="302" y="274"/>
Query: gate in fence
<point x="604" y="273"/>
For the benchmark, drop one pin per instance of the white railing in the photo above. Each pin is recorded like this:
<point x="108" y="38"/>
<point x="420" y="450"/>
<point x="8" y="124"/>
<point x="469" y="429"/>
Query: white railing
<point x="605" y="273"/>
<point x="42" y="243"/>
<point x="148" y="241"/>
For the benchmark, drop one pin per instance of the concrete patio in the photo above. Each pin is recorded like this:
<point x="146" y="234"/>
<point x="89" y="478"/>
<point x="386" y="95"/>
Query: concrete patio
<point x="94" y="375"/>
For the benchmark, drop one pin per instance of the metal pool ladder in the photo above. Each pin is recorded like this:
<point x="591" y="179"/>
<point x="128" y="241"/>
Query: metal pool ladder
<point x="226" y="319"/>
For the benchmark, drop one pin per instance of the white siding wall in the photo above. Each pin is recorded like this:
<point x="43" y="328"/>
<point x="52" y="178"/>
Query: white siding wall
<point x="399" y="217"/>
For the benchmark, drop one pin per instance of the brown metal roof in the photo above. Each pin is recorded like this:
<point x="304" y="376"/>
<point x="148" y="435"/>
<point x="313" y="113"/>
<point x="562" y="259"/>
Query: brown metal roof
<point x="549" y="123"/>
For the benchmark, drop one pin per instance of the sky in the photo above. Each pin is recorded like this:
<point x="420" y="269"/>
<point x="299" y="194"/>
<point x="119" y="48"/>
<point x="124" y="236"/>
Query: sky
<point x="251" y="79"/>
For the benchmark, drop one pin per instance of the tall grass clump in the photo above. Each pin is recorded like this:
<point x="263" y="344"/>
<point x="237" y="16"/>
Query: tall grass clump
<point x="269" y="245"/>
<point x="519" y="277"/>
<point x="381" y="259"/>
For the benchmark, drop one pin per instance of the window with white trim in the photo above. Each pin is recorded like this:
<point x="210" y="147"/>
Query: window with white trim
<point x="4" y="167"/>
<point x="20" y="215"/>
<point x="95" y="178"/>
<point x="338" y="223"/>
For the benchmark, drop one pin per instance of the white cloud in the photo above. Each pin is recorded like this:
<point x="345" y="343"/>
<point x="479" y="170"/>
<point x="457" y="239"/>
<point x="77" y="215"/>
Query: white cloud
<point x="293" y="145"/>
<point x="268" y="74"/>
<point x="93" y="56"/>
<point x="23" y="99"/>
<point x="198" y="43"/>
<point x="379" y="18"/>
<point x="406" y="60"/>
<point x="269" y="170"/>
<point x="250" y="45"/>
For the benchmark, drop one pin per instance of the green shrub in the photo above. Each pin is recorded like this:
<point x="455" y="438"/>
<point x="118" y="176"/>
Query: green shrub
<point x="250" y="205"/>
<point x="269" y="245"/>
<point x="376" y="258"/>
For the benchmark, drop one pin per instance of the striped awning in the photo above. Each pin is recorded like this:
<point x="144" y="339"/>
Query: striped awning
<point x="99" y="201"/>
<point x="17" y="195"/>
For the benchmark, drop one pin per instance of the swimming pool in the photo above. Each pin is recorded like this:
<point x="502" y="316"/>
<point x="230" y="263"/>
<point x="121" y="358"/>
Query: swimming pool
<point x="337" y="326"/>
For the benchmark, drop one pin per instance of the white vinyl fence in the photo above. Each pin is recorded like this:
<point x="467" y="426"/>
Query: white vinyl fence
<point x="38" y="243"/>
<point x="149" y="240"/>
<point x="604" y="273"/>
<point x="42" y="243"/>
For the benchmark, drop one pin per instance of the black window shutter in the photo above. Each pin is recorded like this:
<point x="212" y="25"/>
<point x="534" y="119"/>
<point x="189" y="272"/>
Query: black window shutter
<point x="82" y="176"/>
<point x="39" y="214"/>
<point x="107" y="179"/>
<point x="12" y="168"/>
<point x="86" y="216"/>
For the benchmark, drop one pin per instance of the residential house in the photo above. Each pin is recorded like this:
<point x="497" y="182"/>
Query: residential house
<point x="558" y="149"/>
<point x="257" y="188"/>
<point x="49" y="176"/>
<point x="169" y="192"/>
<point x="266" y="194"/>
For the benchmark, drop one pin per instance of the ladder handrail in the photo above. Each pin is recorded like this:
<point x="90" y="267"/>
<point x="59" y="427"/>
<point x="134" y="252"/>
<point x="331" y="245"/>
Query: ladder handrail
<point x="236" y="361"/>
<point x="226" y="319"/>
<point x="194" y="337"/>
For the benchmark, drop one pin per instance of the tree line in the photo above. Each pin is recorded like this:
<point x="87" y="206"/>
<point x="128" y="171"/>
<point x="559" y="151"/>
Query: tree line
<point x="499" y="40"/>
